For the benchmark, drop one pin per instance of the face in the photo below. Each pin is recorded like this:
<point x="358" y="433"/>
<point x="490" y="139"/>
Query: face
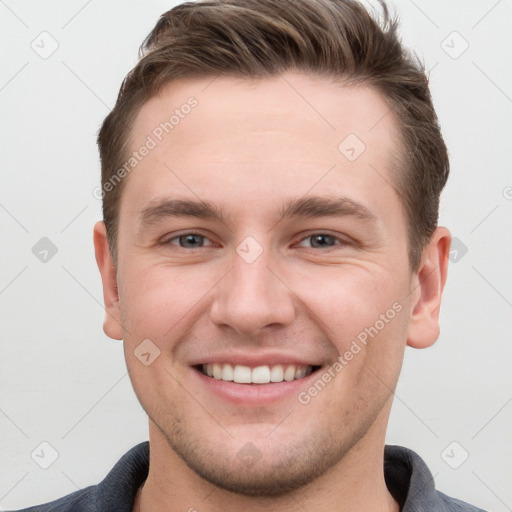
<point x="261" y="240"/>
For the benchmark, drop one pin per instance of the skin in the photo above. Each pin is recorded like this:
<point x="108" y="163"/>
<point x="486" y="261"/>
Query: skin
<point x="250" y="147"/>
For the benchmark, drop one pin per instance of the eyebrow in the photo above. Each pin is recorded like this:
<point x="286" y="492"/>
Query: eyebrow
<point x="317" y="206"/>
<point x="170" y="207"/>
<point x="307" y="207"/>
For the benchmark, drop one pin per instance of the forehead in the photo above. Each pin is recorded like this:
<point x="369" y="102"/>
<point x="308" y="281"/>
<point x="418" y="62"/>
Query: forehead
<point x="221" y="135"/>
<point x="302" y="104"/>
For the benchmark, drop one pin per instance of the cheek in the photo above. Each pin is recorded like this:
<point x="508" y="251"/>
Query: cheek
<point x="350" y="300"/>
<point x="155" y="385"/>
<point x="156" y="299"/>
<point x="363" y="313"/>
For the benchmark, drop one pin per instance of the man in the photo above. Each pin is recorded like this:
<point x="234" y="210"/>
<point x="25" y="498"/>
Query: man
<point x="271" y="176"/>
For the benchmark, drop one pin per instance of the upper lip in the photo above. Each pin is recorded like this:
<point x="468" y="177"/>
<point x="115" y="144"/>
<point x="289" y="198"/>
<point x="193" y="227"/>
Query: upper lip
<point x="256" y="359"/>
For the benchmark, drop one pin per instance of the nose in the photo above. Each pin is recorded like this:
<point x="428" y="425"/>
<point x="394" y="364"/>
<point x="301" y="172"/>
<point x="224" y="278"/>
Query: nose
<point x="252" y="298"/>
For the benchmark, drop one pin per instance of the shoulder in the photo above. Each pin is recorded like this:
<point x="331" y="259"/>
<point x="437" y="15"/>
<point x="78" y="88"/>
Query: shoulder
<point x="412" y="485"/>
<point x="84" y="500"/>
<point x="455" y="505"/>
<point x="115" y="493"/>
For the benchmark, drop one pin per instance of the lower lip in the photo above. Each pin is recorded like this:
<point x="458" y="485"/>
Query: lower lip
<point x="253" y="394"/>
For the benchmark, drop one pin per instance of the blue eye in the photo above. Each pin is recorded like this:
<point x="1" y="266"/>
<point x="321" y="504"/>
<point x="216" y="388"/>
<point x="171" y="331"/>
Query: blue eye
<point x="321" y="241"/>
<point x="188" y="241"/>
<point x="196" y="241"/>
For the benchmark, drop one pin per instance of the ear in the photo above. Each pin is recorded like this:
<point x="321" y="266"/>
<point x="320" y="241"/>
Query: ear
<point x="427" y="288"/>
<point x="112" y="323"/>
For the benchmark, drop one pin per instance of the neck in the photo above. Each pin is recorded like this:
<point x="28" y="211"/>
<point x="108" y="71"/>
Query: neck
<point x="355" y="483"/>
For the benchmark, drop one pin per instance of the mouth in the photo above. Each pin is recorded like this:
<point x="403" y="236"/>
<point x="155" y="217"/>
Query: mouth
<point x="262" y="374"/>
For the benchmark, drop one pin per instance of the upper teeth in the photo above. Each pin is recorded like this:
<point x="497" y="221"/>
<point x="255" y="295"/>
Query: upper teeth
<point x="258" y="375"/>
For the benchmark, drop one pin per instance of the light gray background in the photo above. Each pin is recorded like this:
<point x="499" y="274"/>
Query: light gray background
<point x="64" y="382"/>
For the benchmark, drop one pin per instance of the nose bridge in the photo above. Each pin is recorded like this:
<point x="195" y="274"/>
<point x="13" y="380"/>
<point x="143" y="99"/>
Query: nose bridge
<point x="252" y="297"/>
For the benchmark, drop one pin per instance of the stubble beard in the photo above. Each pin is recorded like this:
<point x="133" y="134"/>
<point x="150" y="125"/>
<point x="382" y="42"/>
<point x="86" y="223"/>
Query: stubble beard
<point x="282" y="469"/>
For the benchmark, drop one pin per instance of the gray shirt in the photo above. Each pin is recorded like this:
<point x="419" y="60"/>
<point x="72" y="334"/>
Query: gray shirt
<point x="407" y="478"/>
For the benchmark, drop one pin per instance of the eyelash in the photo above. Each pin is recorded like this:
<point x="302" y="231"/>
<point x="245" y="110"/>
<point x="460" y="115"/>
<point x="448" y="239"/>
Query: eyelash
<point x="340" y="241"/>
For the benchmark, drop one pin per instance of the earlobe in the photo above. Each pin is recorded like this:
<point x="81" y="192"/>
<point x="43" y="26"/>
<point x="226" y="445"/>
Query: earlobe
<point x="112" y="322"/>
<point x="428" y="284"/>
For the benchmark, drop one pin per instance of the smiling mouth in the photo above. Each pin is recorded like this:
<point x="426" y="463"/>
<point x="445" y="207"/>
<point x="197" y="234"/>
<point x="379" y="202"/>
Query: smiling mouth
<point x="265" y="374"/>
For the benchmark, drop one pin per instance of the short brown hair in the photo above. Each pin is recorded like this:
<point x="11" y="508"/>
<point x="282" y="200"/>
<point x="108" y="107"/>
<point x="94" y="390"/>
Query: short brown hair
<point x="263" y="38"/>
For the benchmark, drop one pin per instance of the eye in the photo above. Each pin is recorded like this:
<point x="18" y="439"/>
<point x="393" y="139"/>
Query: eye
<point x="188" y="241"/>
<point x="321" y="241"/>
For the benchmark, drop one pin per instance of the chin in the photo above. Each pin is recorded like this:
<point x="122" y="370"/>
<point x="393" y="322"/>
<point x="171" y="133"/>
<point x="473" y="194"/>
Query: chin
<point x="276" y="470"/>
